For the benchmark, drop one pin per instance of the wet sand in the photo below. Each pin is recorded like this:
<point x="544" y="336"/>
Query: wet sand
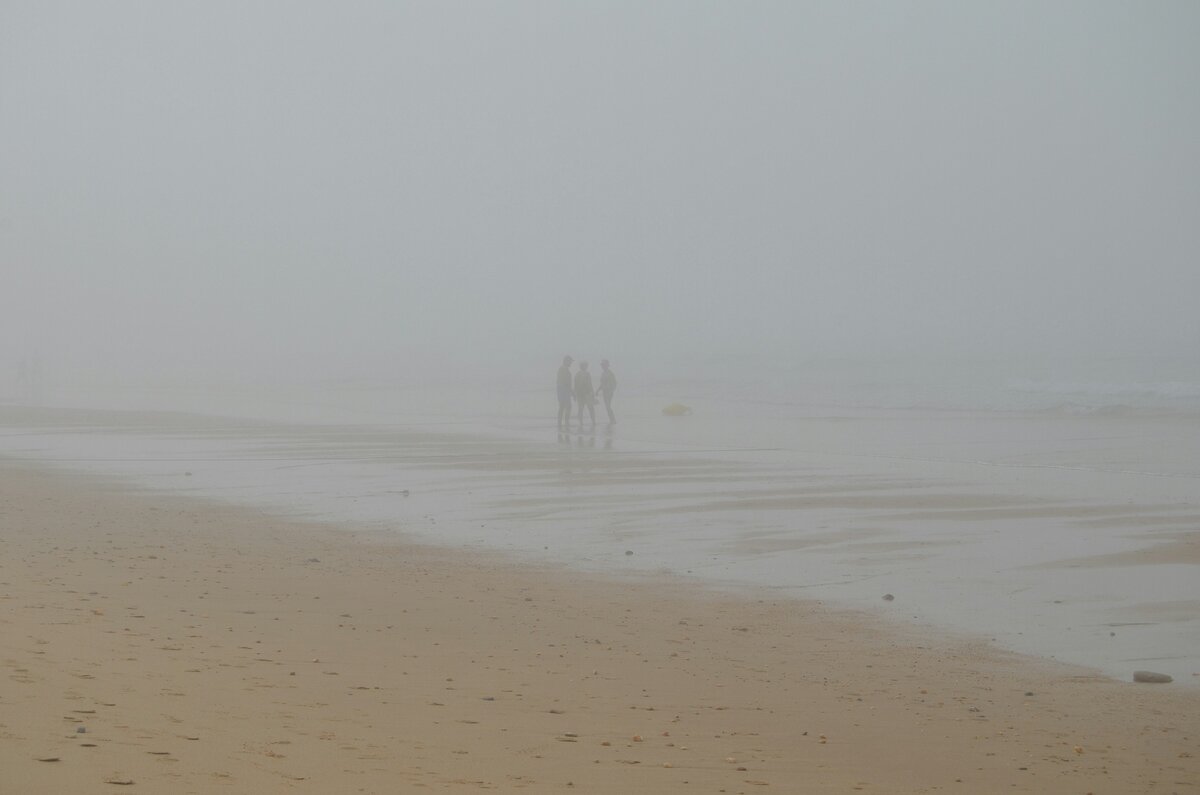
<point x="1071" y="538"/>
<point x="208" y="648"/>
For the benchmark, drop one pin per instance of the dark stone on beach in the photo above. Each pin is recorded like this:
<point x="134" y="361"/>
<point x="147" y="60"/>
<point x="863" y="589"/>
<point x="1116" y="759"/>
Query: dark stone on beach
<point x="80" y="730"/>
<point x="1150" y="677"/>
<point x="629" y="552"/>
<point x="313" y="560"/>
<point x="887" y="597"/>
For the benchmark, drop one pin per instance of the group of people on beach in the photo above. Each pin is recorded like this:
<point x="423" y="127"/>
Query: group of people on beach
<point x="580" y="389"/>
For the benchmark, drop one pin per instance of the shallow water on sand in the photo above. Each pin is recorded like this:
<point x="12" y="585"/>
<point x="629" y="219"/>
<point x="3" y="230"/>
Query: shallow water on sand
<point x="1075" y="537"/>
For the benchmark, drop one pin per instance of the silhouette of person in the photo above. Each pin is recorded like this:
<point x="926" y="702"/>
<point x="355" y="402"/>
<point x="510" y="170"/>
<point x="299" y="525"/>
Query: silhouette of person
<point x="585" y="393"/>
<point x="608" y="385"/>
<point x="564" y="393"/>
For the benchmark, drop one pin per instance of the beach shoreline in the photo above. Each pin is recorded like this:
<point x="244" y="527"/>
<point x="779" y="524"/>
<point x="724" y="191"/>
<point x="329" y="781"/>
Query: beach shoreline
<point x="1056" y="537"/>
<point x="304" y="657"/>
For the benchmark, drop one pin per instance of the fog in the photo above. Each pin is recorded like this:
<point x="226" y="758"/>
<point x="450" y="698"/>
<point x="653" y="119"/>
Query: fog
<point x="223" y="191"/>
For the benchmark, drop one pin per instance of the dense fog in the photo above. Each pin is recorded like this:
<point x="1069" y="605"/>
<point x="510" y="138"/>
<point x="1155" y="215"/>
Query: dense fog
<point x="231" y="192"/>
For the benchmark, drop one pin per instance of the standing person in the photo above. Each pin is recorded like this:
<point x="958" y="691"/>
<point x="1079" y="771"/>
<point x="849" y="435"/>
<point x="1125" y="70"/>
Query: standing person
<point x="608" y="385"/>
<point x="585" y="393"/>
<point x="564" y="393"/>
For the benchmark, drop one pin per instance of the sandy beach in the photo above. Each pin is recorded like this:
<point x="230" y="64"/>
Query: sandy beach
<point x="187" y="646"/>
<point x="577" y="397"/>
<point x="1066" y="537"/>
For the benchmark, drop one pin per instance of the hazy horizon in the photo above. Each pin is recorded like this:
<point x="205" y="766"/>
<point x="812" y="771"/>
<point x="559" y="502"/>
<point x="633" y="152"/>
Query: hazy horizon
<point x="228" y="191"/>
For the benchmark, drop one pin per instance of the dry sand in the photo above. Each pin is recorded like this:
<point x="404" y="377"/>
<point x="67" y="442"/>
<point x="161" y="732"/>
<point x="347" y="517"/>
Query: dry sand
<point x="185" y="646"/>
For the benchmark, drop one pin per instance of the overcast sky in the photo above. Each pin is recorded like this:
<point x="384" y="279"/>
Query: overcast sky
<point x="346" y="189"/>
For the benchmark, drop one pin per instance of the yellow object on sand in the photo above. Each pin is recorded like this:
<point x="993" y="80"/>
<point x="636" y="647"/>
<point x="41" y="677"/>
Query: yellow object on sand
<point x="677" y="410"/>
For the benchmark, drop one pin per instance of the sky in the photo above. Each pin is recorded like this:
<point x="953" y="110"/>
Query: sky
<point x="373" y="190"/>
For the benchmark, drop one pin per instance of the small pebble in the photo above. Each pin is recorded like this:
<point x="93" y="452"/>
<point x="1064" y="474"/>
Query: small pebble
<point x="887" y="597"/>
<point x="80" y="730"/>
<point x="629" y="552"/>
